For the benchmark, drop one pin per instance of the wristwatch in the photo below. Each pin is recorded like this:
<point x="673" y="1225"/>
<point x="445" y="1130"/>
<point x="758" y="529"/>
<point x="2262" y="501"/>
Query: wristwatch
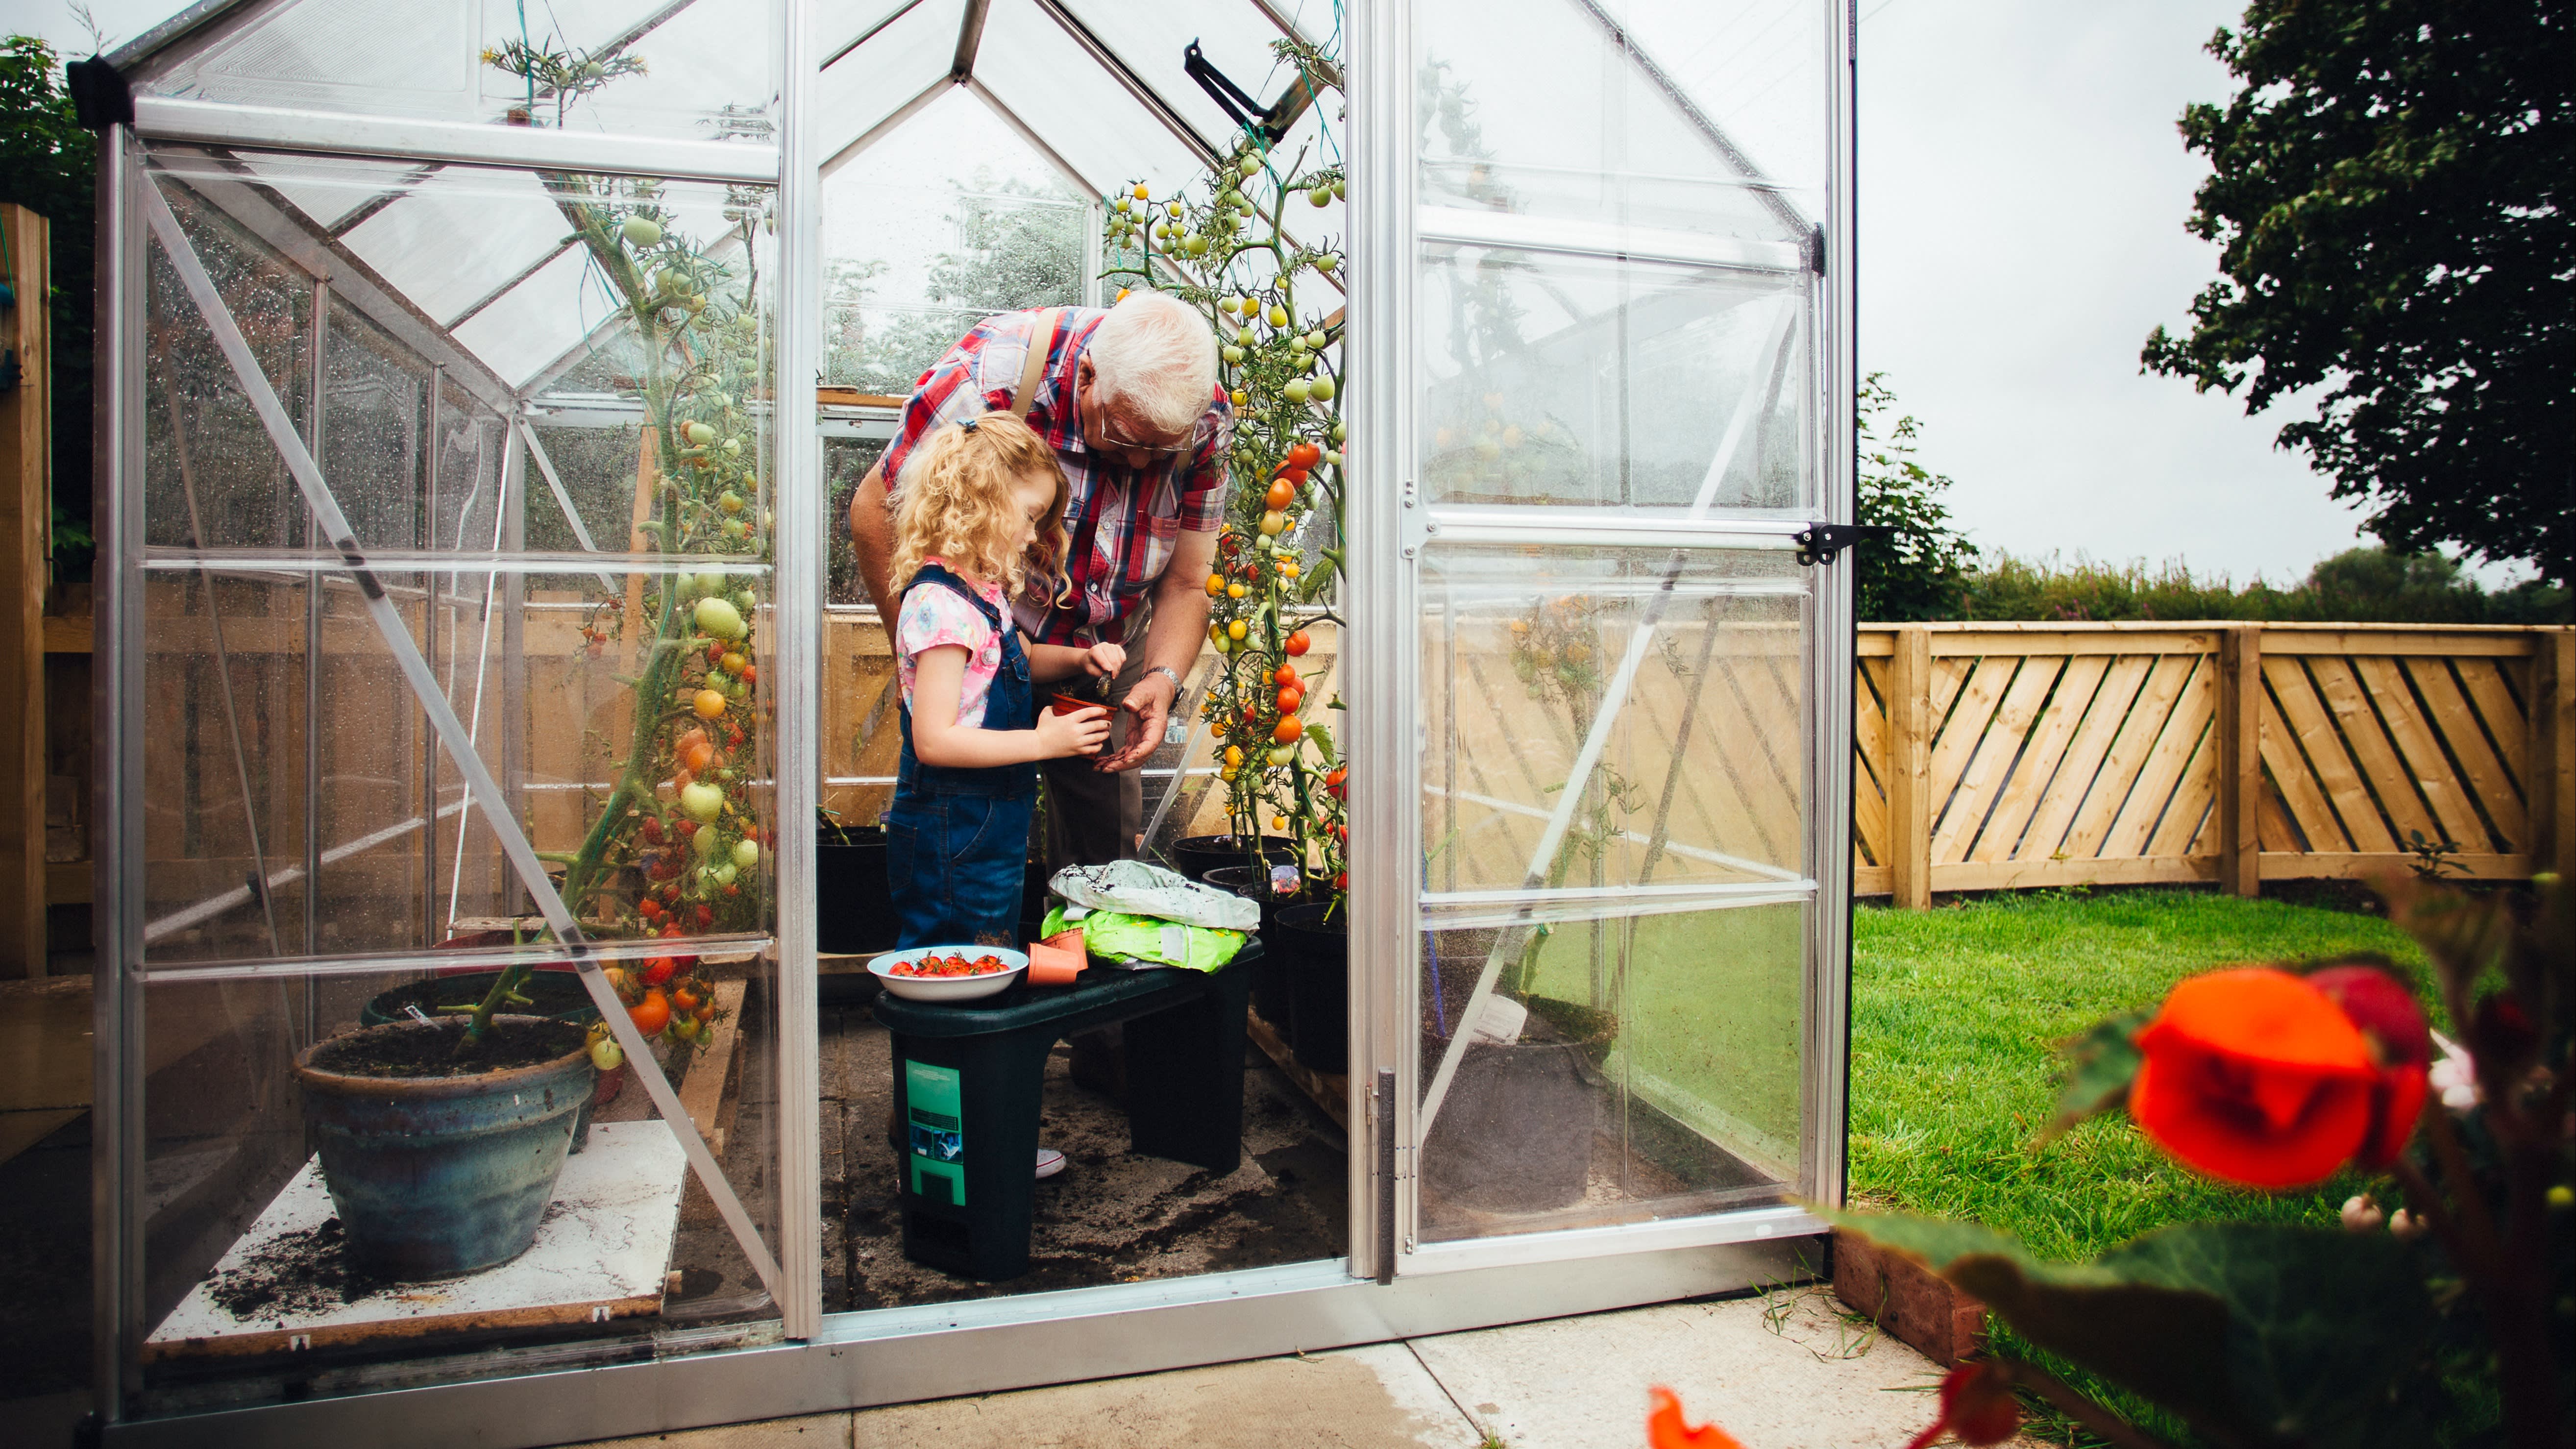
<point x="1168" y="672"/>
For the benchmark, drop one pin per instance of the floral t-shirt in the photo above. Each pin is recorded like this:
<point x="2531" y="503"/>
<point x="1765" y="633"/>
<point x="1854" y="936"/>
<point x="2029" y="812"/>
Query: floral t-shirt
<point x="934" y="615"/>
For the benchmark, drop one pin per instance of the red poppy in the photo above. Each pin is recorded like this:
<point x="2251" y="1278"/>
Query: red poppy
<point x="1977" y="1404"/>
<point x="1665" y="1429"/>
<point x="2256" y="1076"/>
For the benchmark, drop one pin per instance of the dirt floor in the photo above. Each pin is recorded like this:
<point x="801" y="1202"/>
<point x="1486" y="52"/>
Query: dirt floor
<point x="1110" y="1217"/>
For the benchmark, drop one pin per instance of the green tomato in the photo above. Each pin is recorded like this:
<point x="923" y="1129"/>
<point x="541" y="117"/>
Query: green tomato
<point x="706" y="842"/>
<point x="1233" y="354"/>
<point x="1323" y="389"/>
<point x="726" y="874"/>
<point x="733" y="528"/>
<point x="719" y="619"/>
<point x="703" y="802"/>
<point x="1340" y="188"/>
<point x="1315" y="340"/>
<point x="1297" y="390"/>
<point x="733" y="447"/>
<point x="699" y="434"/>
<point x="642" y="231"/>
<point x="1173" y="210"/>
<point x="1278" y="315"/>
<point x="1326" y="262"/>
<point x="1340" y="434"/>
<point x="1244" y="337"/>
<point x="1297" y="345"/>
<point x="1332" y="457"/>
<point x="1321" y="196"/>
<point x="710" y="582"/>
<point x="745" y="600"/>
<point x="606" y="1054"/>
<point x="1196" y="246"/>
<point x="1282" y="754"/>
<point x="746" y="853"/>
<point x="1251" y="165"/>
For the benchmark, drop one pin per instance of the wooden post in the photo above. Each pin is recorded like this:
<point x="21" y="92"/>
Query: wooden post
<point x="1909" y="769"/>
<point x="2240" y="760"/>
<point x="2551" y="738"/>
<point x="26" y="528"/>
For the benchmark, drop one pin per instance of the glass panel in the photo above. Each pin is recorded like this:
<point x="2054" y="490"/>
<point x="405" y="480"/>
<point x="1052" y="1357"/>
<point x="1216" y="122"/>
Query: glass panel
<point x="1543" y="113"/>
<point x="1151" y="39"/>
<point x="875" y="80"/>
<point x="1615" y="819"/>
<point x="1682" y="677"/>
<point x="706" y="67"/>
<point x="1102" y="132"/>
<point x="1623" y="1067"/>
<point x="1552" y="379"/>
<point x="307" y="834"/>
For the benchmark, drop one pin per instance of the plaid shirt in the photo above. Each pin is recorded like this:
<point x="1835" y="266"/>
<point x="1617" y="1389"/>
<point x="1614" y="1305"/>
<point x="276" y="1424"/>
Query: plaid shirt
<point x="1120" y="523"/>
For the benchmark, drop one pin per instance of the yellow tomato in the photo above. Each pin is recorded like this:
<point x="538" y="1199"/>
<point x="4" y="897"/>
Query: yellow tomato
<point x="1215" y="585"/>
<point x="1236" y="591"/>
<point x="1236" y="630"/>
<point x="709" y="704"/>
<point x="1234" y="757"/>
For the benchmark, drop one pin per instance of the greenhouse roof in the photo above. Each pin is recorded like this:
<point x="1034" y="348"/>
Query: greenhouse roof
<point x="1103" y="89"/>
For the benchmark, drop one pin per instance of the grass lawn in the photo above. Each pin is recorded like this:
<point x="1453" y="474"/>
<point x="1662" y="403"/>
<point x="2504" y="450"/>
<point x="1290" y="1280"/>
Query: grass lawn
<point x="1956" y="1016"/>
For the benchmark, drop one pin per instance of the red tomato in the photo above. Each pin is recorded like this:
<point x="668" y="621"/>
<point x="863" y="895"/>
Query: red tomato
<point x="1290" y="698"/>
<point x="649" y="909"/>
<point x="1304" y="455"/>
<point x="659" y="969"/>
<point x="1284" y="674"/>
<point x="651" y="1014"/>
<point x="1297" y="643"/>
<point x="1342" y="881"/>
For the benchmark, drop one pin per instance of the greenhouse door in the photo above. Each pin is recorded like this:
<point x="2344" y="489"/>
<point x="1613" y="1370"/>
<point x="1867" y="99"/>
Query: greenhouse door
<point x="1603" y="681"/>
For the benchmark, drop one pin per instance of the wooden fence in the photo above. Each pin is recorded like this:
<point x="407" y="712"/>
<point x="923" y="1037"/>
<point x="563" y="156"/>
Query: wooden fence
<point x="1992" y="756"/>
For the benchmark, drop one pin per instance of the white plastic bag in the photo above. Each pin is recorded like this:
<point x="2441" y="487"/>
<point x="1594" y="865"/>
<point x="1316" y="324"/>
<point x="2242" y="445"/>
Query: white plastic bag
<point x="1139" y="889"/>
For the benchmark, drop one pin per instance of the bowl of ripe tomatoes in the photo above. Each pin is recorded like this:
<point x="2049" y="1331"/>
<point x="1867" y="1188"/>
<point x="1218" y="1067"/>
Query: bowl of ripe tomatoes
<point x="948" y="973"/>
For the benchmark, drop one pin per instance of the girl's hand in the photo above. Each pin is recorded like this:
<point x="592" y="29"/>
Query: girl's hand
<point x="1081" y="733"/>
<point x="1104" y="660"/>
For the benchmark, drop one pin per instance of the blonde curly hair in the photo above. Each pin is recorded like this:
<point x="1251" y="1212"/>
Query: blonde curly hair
<point x="955" y="504"/>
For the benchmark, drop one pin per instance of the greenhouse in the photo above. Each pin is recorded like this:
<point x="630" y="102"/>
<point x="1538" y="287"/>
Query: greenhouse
<point x="485" y="667"/>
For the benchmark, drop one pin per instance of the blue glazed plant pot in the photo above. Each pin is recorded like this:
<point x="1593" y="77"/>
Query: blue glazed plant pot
<point x="438" y="1176"/>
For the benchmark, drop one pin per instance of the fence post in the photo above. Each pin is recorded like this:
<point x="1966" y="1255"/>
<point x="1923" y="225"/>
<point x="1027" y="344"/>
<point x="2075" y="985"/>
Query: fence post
<point x="2552" y="745"/>
<point x="2240" y="760"/>
<point x="1909" y="769"/>
<point x="26" y="528"/>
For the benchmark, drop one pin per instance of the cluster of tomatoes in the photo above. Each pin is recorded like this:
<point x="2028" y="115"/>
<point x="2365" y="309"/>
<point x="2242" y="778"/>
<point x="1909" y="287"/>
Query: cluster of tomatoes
<point x="700" y="849"/>
<point x="666" y="993"/>
<point x="953" y="965"/>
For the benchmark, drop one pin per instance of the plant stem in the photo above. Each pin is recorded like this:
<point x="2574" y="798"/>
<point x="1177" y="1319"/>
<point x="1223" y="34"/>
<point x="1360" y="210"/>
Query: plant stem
<point x="2101" y="1422"/>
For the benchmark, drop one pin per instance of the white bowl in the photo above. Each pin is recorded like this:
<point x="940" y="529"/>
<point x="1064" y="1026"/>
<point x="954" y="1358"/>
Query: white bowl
<point x="948" y="988"/>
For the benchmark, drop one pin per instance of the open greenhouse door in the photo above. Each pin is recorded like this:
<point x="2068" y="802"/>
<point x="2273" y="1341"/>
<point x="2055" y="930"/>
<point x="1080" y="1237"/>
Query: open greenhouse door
<point x="1601" y="680"/>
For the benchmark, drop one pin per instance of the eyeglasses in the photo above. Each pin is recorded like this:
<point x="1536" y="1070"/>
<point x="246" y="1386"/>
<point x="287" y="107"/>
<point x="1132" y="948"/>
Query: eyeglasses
<point x="1110" y="440"/>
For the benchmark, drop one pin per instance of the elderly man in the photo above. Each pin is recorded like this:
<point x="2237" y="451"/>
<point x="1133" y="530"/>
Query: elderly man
<point x="1128" y="398"/>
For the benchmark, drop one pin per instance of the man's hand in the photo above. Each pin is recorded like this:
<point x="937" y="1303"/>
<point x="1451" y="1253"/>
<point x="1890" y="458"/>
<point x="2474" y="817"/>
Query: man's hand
<point x="1148" y="707"/>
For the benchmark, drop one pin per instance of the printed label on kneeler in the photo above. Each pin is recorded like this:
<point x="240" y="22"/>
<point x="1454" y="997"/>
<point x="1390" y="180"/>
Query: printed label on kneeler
<point x="938" y="1132"/>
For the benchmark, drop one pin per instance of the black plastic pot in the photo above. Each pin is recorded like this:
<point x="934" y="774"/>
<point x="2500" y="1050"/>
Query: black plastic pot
<point x="853" y="909"/>
<point x="1514" y="1135"/>
<point x="1195" y="855"/>
<point x="1319" y="984"/>
<point x="1271" y="976"/>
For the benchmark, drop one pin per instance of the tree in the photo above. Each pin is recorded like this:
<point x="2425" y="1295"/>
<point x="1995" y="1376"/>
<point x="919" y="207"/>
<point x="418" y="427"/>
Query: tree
<point x="47" y="163"/>
<point x="2392" y="197"/>
<point x="1920" y="572"/>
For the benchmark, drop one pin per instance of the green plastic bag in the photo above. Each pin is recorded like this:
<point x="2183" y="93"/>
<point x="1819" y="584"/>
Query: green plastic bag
<point x="1118" y="936"/>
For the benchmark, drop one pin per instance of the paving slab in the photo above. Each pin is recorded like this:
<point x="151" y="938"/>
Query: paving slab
<point x="1378" y="1397"/>
<point x="812" y="1431"/>
<point x="1782" y="1372"/>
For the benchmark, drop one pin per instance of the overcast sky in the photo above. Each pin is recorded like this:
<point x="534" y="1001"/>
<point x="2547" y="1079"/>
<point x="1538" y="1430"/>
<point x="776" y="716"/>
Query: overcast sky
<point x="2022" y="197"/>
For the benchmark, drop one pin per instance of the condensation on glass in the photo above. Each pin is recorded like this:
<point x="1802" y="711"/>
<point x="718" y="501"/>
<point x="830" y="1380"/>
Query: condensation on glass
<point x="309" y="842"/>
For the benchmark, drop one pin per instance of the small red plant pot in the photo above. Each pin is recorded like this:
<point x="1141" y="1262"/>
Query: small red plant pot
<point x="1071" y="704"/>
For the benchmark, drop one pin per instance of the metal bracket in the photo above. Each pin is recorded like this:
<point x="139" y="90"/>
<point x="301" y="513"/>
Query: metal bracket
<point x="1818" y="543"/>
<point x="1247" y="111"/>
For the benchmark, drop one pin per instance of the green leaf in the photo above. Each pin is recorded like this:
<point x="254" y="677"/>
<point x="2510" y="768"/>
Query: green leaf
<point x="2100" y="1064"/>
<point x="2276" y="1333"/>
<point x="1323" y="738"/>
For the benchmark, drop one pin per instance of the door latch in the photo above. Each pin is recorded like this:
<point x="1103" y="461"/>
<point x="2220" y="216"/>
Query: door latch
<point x="1818" y="543"/>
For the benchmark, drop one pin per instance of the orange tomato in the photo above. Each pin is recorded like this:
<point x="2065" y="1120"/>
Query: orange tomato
<point x="709" y="704"/>
<point x="1288" y="731"/>
<point x="1281" y="494"/>
<point x="695" y="751"/>
<point x="651" y="1014"/>
<point x="1304" y="455"/>
<point x="684" y="1001"/>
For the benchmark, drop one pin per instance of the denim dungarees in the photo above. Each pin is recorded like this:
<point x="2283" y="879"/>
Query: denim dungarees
<point x="957" y="839"/>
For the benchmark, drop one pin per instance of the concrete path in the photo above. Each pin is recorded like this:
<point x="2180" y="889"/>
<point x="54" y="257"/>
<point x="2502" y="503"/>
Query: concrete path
<point x="1788" y="1372"/>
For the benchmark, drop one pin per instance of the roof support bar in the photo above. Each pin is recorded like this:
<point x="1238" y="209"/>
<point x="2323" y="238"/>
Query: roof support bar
<point x="1772" y="201"/>
<point x="864" y="36"/>
<point x="970" y="39"/>
<point x="884" y="128"/>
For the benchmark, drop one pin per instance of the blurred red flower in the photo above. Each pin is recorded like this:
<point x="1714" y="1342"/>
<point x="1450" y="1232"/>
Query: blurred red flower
<point x="1977" y="1404"/>
<point x="2257" y="1076"/>
<point x="1665" y="1429"/>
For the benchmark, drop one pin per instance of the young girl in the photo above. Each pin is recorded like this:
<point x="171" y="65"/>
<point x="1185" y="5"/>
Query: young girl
<point x="980" y="520"/>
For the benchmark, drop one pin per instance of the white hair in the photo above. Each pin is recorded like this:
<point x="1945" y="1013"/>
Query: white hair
<point x="1156" y="358"/>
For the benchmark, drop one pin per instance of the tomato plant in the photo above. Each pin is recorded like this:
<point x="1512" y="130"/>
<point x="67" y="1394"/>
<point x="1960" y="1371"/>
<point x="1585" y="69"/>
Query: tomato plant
<point x="1272" y="297"/>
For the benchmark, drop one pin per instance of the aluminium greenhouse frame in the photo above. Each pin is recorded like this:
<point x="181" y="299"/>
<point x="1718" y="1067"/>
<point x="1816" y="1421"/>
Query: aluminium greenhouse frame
<point x="1390" y="1286"/>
